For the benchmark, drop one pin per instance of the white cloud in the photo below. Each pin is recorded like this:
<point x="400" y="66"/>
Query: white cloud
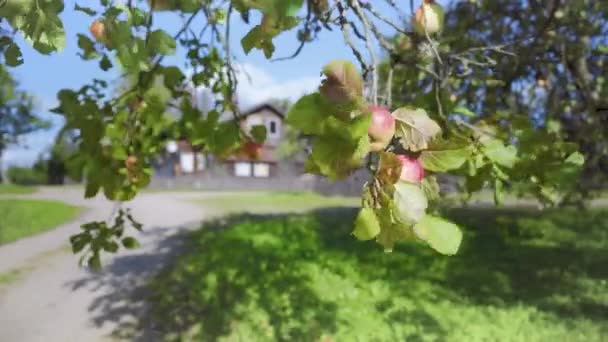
<point x="257" y="86"/>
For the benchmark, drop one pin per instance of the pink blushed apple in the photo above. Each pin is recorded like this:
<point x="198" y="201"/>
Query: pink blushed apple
<point x="381" y="129"/>
<point x="411" y="169"/>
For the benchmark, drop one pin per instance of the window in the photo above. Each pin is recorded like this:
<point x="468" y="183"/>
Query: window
<point x="242" y="169"/>
<point x="200" y="162"/>
<point x="186" y="162"/>
<point x="261" y="170"/>
<point x="273" y="129"/>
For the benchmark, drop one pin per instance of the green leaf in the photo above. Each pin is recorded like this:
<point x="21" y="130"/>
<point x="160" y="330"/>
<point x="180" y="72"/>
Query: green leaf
<point x="94" y="262"/>
<point x="392" y="232"/>
<point x="443" y="236"/>
<point x="110" y="246"/>
<point x="500" y="154"/>
<point x="130" y="243"/>
<point x="415" y="128"/>
<point x="389" y="168"/>
<point x="257" y="38"/>
<point x="445" y="156"/>
<point x="289" y="8"/>
<point x="79" y="242"/>
<point x="259" y="133"/>
<point x="42" y="27"/>
<point x="105" y="64"/>
<point x="86" y="10"/>
<point x="576" y="158"/>
<point x="12" y="55"/>
<point x="430" y="188"/>
<point x="307" y="114"/>
<point x="465" y="111"/>
<point x="172" y="77"/>
<point x="91" y="189"/>
<point x="410" y="202"/>
<point x="367" y="226"/>
<point x="337" y="158"/>
<point x="87" y="46"/>
<point x="498" y="191"/>
<point x="161" y="42"/>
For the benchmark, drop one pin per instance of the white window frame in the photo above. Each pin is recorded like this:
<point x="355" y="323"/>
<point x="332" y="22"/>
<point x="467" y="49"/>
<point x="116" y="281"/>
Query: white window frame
<point x="186" y="162"/>
<point x="242" y="169"/>
<point x="261" y="170"/>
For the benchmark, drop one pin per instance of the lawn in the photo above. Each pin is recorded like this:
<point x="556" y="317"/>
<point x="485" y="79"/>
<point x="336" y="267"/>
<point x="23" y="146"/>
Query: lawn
<point x="267" y="202"/>
<point x="22" y="218"/>
<point x="521" y="275"/>
<point x="16" y="189"/>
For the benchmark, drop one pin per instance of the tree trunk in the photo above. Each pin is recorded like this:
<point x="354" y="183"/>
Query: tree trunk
<point x="3" y="178"/>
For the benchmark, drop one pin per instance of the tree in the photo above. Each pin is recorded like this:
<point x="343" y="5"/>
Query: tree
<point x="16" y="114"/>
<point x="119" y="134"/>
<point x="543" y="65"/>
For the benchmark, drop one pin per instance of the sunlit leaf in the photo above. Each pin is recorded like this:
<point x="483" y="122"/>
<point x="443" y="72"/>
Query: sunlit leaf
<point x="443" y="236"/>
<point x="415" y="128"/>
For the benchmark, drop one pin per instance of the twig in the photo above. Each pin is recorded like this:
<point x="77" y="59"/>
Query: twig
<point x="368" y="42"/>
<point x="389" y="88"/>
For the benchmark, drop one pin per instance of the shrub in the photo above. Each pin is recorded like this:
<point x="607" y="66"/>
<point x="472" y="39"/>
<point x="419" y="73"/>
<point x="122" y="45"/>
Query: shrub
<point x="26" y="176"/>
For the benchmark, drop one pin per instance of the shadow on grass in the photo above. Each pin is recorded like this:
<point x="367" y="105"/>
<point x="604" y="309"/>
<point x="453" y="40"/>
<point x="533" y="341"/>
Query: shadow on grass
<point x="304" y="277"/>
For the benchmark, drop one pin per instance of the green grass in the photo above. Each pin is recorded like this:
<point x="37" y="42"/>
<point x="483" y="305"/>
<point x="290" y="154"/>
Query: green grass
<point x="8" y="277"/>
<point x="16" y="189"/>
<point x="266" y="202"/>
<point x="22" y="218"/>
<point x="521" y="275"/>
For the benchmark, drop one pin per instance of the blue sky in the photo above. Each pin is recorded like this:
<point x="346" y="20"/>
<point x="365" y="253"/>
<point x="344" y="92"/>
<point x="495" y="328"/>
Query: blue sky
<point x="43" y="75"/>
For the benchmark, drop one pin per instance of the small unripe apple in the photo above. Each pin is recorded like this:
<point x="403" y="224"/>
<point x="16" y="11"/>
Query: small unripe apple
<point x="411" y="169"/>
<point x="429" y="18"/>
<point x="381" y="129"/>
<point x="131" y="162"/>
<point x="98" y="30"/>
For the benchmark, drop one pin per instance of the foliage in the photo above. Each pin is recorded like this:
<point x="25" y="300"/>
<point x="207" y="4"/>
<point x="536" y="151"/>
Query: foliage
<point x="16" y="111"/>
<point x="15" y="189"/>
<point x="26" y="175"/>
<point x="300" y="277"/>
<point x="22" y="218"/>
<point x="534" y="72"/>
<point x="257" y="202"/>
<point x="101" y="236"/>
<point x="120" y="131"/>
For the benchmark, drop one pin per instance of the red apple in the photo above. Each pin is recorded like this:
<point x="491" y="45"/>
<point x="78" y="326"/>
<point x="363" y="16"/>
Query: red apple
<point x="98" y="30"/>
<point x="382" y="128"/>
<point x="411" y="169"/>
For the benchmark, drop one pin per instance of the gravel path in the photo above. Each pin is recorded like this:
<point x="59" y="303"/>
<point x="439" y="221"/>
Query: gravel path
<point x="54" y="299"/>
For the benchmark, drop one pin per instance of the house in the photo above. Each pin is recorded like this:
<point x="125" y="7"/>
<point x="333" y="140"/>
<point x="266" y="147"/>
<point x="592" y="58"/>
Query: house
<point x="182" y="159"/>
<point x="267" y="165"/>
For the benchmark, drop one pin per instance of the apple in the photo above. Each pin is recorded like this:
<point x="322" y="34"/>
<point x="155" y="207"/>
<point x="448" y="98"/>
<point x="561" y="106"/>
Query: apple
<point x="252" y="150"/>
<point x="131" y="162"/>
<point x="429" y="18"/>
<point x="381" y="129"/>
<point x="411" y="169"/>
<point x="98" y="30"/>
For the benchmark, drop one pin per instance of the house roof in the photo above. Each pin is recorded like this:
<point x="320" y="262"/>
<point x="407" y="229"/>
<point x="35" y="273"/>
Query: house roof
<point x="261" y="107"/>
